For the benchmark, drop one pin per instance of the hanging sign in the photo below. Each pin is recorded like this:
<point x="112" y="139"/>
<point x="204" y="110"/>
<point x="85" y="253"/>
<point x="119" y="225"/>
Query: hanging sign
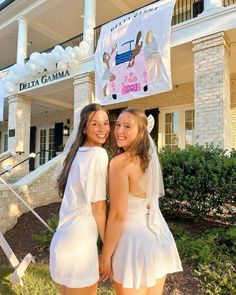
<point x="132" y="58"/>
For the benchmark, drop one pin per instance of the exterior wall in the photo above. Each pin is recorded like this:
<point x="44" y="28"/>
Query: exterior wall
<point x="52" y="117"/>
<point x="39" y="193"/>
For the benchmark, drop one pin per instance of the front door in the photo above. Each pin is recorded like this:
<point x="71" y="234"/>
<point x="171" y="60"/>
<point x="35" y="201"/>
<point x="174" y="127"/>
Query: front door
<point x="45" y="144"/>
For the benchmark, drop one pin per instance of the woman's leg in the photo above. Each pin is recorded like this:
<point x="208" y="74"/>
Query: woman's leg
<point x="158" y="288"/>
<point x="62" y="289"/>
<point x="91" y="290"/>
<point x="155" y="290"/>
<point x="127" y="291"/>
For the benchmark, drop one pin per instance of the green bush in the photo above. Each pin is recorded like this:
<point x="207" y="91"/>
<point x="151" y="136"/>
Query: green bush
<point x="200" y="181"/>
<point x="212" y="255"/>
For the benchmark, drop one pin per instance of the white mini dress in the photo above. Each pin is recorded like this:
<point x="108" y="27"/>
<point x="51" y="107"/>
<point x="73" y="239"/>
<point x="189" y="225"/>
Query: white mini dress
<point x="141" y="255"/>
<point x="73" y="249"/>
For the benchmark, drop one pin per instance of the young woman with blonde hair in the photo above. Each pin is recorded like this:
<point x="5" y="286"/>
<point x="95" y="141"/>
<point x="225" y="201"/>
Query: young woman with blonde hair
<point x="139" y="249"/>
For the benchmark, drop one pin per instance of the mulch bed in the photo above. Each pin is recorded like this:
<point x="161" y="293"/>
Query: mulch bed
<point x="21" y="242"/>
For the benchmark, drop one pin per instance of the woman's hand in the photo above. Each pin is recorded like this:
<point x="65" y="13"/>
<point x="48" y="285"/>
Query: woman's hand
<point x="105" y="269"/>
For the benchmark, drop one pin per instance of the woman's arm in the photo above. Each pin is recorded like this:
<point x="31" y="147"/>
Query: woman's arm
<point x="99" y="213"/>
<point x="118" y="191"/>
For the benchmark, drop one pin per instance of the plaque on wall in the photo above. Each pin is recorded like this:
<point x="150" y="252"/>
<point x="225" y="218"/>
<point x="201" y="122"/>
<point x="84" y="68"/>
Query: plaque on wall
<point x="12" y="132"/>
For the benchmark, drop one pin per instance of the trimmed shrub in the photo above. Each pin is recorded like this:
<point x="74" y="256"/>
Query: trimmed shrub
<point x="200" y="181"/>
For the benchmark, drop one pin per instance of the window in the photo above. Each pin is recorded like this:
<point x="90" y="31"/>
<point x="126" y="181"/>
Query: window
<point x="172" y="130"/>
<point x="45" y="144"/>
<point x="177" y="127"/>
<point x="189" y="127"/>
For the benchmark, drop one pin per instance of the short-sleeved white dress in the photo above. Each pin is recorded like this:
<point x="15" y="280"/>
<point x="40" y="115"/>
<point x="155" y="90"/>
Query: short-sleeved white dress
<point x="73" y="249"/>
<point x="142" y="255"/>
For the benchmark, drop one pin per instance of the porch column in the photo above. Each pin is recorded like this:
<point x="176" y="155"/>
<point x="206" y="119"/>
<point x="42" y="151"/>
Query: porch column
<point x="19" y="117"/>
<point x="21" y="40"/>
<point x="84" y="89"/>
<point x="89" y="24"/>
<point x="212" y="90"/>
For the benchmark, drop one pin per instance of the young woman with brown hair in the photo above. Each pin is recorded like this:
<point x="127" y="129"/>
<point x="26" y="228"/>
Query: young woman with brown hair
<point x="82" y="183"/>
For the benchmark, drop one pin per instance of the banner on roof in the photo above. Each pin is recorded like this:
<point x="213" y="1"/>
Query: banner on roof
<point x="2" y="96"/>
<point x="132" y="58"/>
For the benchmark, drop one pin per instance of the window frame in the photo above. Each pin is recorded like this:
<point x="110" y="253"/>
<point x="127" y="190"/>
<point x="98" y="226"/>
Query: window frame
<point x="181" y="109"/>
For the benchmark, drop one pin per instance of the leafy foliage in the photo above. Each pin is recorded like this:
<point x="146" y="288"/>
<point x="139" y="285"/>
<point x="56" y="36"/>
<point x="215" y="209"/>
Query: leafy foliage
<point x="213" y="256"/>
<point x="200" y="181"/>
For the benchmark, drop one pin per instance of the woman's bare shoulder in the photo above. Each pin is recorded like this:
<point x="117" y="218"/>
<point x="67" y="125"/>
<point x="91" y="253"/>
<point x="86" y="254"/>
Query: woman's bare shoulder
<point x="119" y="161"/>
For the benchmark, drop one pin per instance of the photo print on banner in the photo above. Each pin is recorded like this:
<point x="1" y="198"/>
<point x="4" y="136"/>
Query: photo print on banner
<point x="132" y="58"/>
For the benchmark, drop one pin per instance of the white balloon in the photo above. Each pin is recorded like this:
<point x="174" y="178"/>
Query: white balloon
<point x="78" y="52"/>
<point x="35" y="57"/>
<point x="44" y="56"/>
<point x="59" y="49"/>
<point x="32" y="67"/>
<point x="56" y="56"/>
<point x="69" y="49"/>
<point x="83" y="53"/>
<point x="73" y="64"/>
<point x="65" y="57"/>
<point x="61" y="66"/>
<point x="84" y="46"/>
<point x="50" y="66"/>
<point x="12" y="77"/>
<point x="10" y="87"/>
<point x="17" y="69"/>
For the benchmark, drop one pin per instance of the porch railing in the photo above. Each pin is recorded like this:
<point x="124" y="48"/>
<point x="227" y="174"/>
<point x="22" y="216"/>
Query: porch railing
<point x="75" y="41"/>
<point x="183" y="10"/>
<point x="228" y="2"/>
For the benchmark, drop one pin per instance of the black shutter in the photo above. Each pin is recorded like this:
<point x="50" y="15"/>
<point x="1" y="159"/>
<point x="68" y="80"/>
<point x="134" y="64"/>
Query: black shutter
<point x="58" y="135"/>
<point x="32" y="147"/>
<point x="198" y="8"/>
<point x="154" y="132"/>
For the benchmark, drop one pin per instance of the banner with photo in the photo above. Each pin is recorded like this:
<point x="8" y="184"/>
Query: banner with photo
<point x="132" y="58"/>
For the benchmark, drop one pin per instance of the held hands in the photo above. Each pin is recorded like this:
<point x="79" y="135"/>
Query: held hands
<point x="105" y="269"/>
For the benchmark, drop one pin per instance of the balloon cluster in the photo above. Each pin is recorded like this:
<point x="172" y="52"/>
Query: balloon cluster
<point x="59" y="58"/>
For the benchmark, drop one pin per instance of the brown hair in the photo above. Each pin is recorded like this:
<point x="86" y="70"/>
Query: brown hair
<point x="79" y="141"/>
<point x="140" y="147"/>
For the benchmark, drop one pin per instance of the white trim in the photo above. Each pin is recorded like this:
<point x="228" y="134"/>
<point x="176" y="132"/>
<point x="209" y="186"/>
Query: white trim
<point x="161" y="130"/>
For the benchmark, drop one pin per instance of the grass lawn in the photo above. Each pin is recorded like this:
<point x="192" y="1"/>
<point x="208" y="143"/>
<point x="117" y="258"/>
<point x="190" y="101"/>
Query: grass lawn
<point x="210" y="253"/>
<point x="37" y="281"/>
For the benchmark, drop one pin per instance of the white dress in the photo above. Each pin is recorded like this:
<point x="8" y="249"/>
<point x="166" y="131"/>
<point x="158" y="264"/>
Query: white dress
<point x="73" y="249"/>
<point x="142" y="256"/>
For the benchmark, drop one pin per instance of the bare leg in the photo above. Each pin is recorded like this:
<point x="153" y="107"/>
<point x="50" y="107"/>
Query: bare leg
<point x="126" y="291"/>
<point x="91" y="290"/>
<point x="155" y="290"/>
<point x="158" y="288"/>
<point x="62" y="289"/>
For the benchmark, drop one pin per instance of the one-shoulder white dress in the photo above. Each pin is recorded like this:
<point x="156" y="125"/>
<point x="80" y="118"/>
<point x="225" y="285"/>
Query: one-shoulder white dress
<point x="73" y="249"/>
<point x="142" y="255"/>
